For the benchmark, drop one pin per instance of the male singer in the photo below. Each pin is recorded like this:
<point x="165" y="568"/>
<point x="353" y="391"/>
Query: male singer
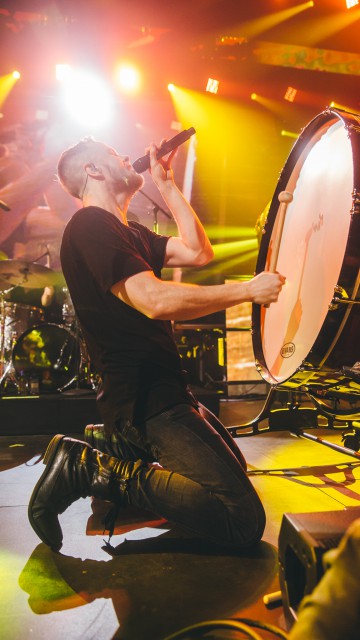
<point x="113" y="271"/>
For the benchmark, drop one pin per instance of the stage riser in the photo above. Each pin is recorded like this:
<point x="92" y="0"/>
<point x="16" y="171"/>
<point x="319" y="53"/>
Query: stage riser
<point x="60" y="413"/>
<point x="46" y="414"/>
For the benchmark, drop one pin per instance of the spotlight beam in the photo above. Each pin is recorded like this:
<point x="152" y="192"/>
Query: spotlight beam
<point x="253" y="28"/>
<point x="7" y="83"/>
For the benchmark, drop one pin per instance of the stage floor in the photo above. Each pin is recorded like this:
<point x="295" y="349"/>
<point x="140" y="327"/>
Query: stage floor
<point x="159" y="581"/>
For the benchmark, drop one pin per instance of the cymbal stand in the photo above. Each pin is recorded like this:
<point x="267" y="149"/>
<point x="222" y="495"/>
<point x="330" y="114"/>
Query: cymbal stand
<point x="69" y="389"/>
<point x="155" y="209"/>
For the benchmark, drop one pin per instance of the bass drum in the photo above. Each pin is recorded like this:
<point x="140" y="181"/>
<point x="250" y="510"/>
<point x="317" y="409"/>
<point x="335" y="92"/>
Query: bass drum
<point x="310" y="338"/>
<point x="48" y="353"/>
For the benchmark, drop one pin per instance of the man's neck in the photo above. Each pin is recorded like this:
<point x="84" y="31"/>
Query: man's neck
<point x="117" y="206"/>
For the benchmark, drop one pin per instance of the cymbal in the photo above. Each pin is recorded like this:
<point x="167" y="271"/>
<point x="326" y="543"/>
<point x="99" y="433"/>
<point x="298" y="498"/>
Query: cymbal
<point x="21" y="273"/>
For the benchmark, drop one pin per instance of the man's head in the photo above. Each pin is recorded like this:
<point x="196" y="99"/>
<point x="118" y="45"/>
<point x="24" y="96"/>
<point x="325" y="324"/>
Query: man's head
<point x="90" y="165"/>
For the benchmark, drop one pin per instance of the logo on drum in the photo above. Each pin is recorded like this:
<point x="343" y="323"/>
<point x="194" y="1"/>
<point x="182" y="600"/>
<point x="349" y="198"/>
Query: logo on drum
<point x="287" y="350"/>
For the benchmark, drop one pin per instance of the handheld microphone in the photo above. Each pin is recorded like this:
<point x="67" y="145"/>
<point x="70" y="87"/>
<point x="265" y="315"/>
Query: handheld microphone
<point x="141" y="164"/>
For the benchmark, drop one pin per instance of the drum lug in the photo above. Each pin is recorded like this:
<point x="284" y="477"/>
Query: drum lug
<point x="353" y="127"/>
<point x="343" y="299"/>
<point x="340" y="295"/>
<point x="355" y="202"/>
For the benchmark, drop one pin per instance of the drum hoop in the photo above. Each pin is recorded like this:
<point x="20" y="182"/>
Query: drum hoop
<point x="22" y="305"/>
<point x="311" y="133"/>
<point x="41" y="325"/>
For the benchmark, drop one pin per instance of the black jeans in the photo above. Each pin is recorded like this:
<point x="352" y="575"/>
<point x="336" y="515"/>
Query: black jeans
<point x="202" y="483"/>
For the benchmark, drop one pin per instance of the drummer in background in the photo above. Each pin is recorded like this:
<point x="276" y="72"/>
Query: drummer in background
<point x="39" y="208"/>
<point x="39" y="211"/>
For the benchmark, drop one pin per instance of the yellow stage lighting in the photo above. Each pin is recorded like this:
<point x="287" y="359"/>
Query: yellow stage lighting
<point x="289" y="134"/>
<point x="253" y="96"/>
<point x="344" y="107"/>
<point x="228" y="136"/>
<point x="351" y="3"/>
<point x="227" y="250"/>
<point x="253" y="28"/>
<point x="7" y="83"/>
<point x="171" y="87"/>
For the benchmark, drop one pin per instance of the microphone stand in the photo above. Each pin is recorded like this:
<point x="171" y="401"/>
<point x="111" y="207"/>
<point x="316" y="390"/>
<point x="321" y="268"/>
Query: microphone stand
<point x="156" y="209"/>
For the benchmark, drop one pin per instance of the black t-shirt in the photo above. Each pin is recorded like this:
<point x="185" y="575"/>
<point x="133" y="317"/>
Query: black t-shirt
<point x="136" y="357"/>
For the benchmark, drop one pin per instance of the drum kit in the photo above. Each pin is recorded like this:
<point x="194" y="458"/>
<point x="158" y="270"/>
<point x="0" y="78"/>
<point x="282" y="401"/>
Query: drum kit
<point x="37" y="356"/>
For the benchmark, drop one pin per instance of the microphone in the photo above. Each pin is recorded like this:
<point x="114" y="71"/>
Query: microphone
<point x="4" y="206"/>
<point x="141" y="164"/>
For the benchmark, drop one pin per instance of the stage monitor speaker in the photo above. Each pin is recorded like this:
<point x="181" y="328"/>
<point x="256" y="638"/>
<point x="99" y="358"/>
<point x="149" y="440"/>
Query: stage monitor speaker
<point x="303" y="539"/>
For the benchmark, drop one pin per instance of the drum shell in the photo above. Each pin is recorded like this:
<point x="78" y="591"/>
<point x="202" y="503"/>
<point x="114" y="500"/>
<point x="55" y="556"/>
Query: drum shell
<point x="338" y="342"/>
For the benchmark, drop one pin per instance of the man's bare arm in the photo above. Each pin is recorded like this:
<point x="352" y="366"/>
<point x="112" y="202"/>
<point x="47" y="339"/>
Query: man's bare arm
<point x="192" y="247"/>
<point x="167" y="300"/>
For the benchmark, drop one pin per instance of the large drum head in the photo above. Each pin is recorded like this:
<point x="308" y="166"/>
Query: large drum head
<point x="320" y="175"/>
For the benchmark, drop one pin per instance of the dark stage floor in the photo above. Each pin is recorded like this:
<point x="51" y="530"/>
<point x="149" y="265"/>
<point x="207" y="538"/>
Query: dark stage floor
<point x="159" y="581"/>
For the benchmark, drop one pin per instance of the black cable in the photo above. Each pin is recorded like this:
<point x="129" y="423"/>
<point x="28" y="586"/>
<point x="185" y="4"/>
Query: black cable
<point x="243" y="625"/>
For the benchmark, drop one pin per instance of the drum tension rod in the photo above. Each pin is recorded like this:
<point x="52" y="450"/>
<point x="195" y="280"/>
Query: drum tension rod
<point x="349" y="301"/>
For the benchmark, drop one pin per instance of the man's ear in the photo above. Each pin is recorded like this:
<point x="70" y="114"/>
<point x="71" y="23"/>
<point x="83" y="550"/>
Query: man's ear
<point x="92" y="170"/>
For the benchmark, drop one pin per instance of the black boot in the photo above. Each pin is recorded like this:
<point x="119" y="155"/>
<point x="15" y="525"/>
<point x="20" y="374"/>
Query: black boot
<point x="75" y="470"/>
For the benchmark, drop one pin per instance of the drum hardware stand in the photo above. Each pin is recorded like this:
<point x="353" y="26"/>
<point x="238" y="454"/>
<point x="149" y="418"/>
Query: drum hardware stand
<point x="6" y="369"/>
<point x="296" y="416"/>
<point x="68" y="389"/>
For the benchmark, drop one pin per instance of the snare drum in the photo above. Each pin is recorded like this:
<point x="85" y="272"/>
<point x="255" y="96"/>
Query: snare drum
<point x="311" y="336"/>
<point x="49" y="353"/>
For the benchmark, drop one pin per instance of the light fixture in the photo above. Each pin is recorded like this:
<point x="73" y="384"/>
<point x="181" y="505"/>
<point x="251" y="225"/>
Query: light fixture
<point x="62" y="72"/>
<point x="212" y="85"/>
<point x="87" y="98"/>
<point x="290" y="94"/>
<point x="128" y="78"/>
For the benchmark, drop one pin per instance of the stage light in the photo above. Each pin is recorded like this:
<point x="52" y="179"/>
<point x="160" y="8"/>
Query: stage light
<point x="16" y="75"/>
<point x="86" y="98"/>
<point x="62" y="72"/>
<point x="351" y="3"/>
<point x="128" y="78"/>
<point x="290" y="94"/>
<point x="171" y="87"/>
<point x="212" y="85"/>
<point x="253" y="96"/>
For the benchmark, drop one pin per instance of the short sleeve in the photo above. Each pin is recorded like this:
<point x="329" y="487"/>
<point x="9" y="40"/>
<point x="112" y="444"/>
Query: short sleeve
<point x="154" y="246"/>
